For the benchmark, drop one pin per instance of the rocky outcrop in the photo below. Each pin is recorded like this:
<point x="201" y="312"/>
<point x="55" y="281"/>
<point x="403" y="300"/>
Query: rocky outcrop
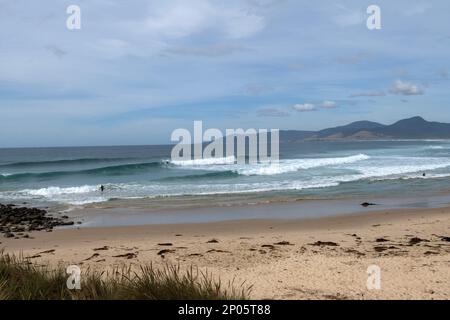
<point x="16" y="222"/>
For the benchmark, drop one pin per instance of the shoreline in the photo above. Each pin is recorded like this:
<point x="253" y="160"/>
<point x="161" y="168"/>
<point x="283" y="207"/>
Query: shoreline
<point x="321" y="258"/>
<point x="138" y="213"/>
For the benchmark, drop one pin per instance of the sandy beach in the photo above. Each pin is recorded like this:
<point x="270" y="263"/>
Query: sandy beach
<point x="323" y="258"/>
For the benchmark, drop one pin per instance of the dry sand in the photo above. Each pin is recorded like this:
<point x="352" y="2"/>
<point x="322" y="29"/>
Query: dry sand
<point x="282" y="259"/>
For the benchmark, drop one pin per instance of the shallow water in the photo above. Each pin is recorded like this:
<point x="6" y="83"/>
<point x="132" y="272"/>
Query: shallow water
<point x="139" y="214"/>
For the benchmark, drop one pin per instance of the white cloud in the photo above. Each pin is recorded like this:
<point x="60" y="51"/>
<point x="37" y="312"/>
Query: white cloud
<point x="305" y="107"/>
<point x="130" y="56"/>
<point x="240" y="24"/>
<point x="406" y="89"/>
<point x="329" y="104"/>
<point x="178" y="19"/>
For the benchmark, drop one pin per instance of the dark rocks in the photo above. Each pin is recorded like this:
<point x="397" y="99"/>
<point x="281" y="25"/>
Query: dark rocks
<point x="218" y="251"/>
<point x="195" y="255"/>
<point x="17" y="220"/>
<point x="129" y="255"/>
<point x="367" y="204"/>
<point x="283" y="243"/>
<point x="356" y="252"/>
<point x="101" y="248"/>
<point x="415" y="240"/>
<point x="47" y="251"/>
<point x="213" y="241"/>
<point x="95" y="255"/>
<point x="324" y="243"/>
<point x="68" y="223"/>
<point x="162" y="253"/>
<point x="382" y="248"/>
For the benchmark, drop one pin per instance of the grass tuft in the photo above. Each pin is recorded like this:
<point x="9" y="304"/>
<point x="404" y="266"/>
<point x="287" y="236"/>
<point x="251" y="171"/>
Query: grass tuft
<point x="22" y="280"/>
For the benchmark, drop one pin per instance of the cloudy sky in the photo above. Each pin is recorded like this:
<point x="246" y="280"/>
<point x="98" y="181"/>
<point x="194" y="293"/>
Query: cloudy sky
<point x="136" y="70"/>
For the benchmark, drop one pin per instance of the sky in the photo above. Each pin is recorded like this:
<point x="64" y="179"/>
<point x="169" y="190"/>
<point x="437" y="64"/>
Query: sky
<point x="137" y="70"/>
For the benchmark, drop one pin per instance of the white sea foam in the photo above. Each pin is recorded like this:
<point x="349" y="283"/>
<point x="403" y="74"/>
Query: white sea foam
<point x="204" y="162"/>
<point x="289" y="174"/>
<point x="55" y="191"/>
<point x="268" y="168"/>
<point x="396" y="170"/>
<point x="266" y="187"/>
<point x="69" y="195"/>
<point x="86" y="201"/>
<point x="293" y="165"/>
<point x="413" y="176"/>
<point x="89" y="194"/>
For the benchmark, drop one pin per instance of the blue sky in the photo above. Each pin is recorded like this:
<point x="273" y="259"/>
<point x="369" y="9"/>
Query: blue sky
<point x="139" y="69"/>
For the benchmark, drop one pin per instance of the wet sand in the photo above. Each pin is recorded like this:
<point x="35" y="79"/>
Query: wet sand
<point x="322" y="258"/>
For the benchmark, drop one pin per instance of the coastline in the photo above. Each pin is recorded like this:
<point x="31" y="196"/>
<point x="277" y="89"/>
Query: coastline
<point x="142" y="212"/>
<point x="320" y="258"/>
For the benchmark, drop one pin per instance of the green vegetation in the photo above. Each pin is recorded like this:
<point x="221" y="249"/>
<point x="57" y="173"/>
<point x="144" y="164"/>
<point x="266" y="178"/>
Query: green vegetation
<point x="22" y="280"/>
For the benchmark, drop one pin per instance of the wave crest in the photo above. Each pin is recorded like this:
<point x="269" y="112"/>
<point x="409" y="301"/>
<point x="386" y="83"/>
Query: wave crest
<point x="204" y="162"/>
<point x="110" y="170"/>
<point x="293" y="165"/>
<point x="27" y="164"/>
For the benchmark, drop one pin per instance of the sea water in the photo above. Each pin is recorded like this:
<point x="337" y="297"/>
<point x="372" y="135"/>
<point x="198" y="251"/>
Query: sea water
<point x="73" y="176"/>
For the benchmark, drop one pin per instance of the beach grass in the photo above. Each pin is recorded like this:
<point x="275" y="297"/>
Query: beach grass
<point x="21" y="279"/>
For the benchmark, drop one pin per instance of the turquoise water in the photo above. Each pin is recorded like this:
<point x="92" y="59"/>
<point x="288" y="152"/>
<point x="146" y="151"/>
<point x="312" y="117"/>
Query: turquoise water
<point x="72" y="176"/>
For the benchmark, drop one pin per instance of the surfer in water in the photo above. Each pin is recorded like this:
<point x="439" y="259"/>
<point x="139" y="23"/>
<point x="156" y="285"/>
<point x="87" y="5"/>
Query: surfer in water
<point x="102" y="188"/>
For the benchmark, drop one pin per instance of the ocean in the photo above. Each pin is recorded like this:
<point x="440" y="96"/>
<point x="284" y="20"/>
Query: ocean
<point x="71" y="177"/>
